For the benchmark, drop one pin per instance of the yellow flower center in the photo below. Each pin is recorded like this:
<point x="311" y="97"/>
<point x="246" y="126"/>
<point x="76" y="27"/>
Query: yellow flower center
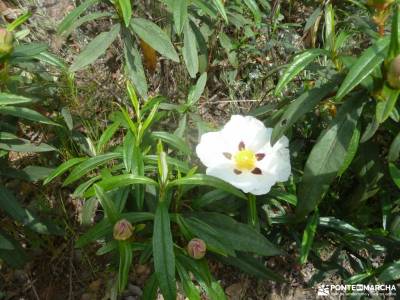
<point x="245" y="160"/>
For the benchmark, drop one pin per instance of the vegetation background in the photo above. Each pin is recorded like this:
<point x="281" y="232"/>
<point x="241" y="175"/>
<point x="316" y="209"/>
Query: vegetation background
<point x="103" y="102"/>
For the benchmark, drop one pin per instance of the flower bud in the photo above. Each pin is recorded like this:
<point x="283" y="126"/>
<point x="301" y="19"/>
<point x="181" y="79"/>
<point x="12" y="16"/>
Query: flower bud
<point x="123" y="230"/>
<point x="6" y="42"/>
<point x="393" y="74"/>
<point x="196" y="248"/>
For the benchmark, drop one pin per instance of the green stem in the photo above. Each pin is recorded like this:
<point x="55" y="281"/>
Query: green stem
<point x="253" y="216"/>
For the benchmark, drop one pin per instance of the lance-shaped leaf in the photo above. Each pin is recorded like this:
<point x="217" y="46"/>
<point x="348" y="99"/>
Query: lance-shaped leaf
<point x="7" y="99"/>
<point x="302" y="105"/>
<point x="364" y="66"/>
<point x="328" y="155"/>
<point x="95" y="48"/>
<point x="69" y="20"/>
<point x="189" y="51"/>
<point x="114" y="182"/>
<point x="126" y="10"/>
<point x="299" y="63"/>
<point x="308" y="237"/>
<point x="134" y="66"/>
<point x="201" y="179"/>
<point x="180" y="13"/>
<point x="385" y="106"/>
<point x="26" y="113"/>
<point x="89" y="165"/>
<point x="163" y="252"/>
<point x="155" y="37"/>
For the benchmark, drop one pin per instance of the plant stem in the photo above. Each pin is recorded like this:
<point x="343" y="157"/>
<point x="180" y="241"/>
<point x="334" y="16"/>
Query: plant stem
<point x="253" y="216"/>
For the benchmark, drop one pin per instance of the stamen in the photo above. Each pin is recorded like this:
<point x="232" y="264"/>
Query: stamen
<point x="237" y="172"/>
<point x="227" y="155"/>
<point x="256" y="171"/>
<point x="241" y="146"/>
<point x="260" y="156"/>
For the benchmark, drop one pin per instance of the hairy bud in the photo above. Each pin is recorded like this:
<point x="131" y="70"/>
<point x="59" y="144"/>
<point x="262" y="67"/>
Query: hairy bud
<point x="196" y="248"/>
<point x="123" y="230"/>
<point x="393" y="74"/>
<point x="6" y="42"/>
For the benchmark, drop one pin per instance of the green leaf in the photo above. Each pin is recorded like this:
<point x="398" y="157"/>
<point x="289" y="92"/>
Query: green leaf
<point x="5" y="244"/>
<point x="189" y="50"/>
<point x="385" y="107"/>
<point x="88" y="18"/>
<point x="7" y="99"/>
<point x="196" y="91"/>
<point x="351" y="151"/>
<point x="394" y="47"/>
<point x="252" y="266"/>
<point x="11" y="206"/>
<point x="95" y="48"/>
<point x="88" y="165"/>
<point x="301" y="61"/>
<point x="36" y="173"/>
<point x="242" y="237"/>
<point x="19" y="21"/>
<point x="173" y="140"/>
<point x="179" y="165"/>
<point x="120" y="181"/>
<point x="191" y="291"/>
<point x="201" y="179"/>
<point x="308" y="237"/>
<point x="364" y="66"/>
<point x="299" y="107"/>
<point x="390" y="272"/>
<point x="394" y="149"/>
<point x="108" y="206"/>
<point x="134" y="65"/>
<point x="180" y="13"/>
<point x="95" y="233"/>
<point x="126" y="10"/>
<point x="22" y="145"/>
<point x="128" y="152"/>
<point x="341" y="226"/>
<point x="163" y="252"/>
<point x="107" y="135"/>
<point x="70" y="20"/>
<point x="220" y="6"/>
<point x="151" y="288"/>
<point x="27" y="51"/>
<point x="26" y="113"/>
<point x="395" y="173"/>
<point x="252" y="5"/>
<point x="125" y="261"/>
<point x="155" y="37"/>
<point x="211" y="236"/>
<point x="328" y="155"/>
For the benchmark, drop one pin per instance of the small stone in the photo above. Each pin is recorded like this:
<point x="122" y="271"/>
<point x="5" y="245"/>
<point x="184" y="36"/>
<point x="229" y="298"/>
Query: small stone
<point x="135" y="290"/>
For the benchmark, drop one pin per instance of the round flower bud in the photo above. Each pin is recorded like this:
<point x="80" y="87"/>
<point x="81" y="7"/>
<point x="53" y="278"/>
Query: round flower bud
<point x="393" y="74"/>
<point x="123" y="230"/>
<point x="196" y="248"/>
<point x="6" y="42"/>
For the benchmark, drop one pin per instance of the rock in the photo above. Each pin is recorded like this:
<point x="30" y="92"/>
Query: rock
<point x="135" y="290"/>
<point x="234" y="291"/>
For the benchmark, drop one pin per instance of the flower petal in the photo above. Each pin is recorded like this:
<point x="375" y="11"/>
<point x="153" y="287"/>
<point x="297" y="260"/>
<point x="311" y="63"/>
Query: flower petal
<point x="211" y="149"/>
<point x="257" y="184"/>
<point x="246" y="129"/>
<point x="277" y="160"/>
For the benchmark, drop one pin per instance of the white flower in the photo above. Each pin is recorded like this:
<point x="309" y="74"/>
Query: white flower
<point x="242" y="155"/>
